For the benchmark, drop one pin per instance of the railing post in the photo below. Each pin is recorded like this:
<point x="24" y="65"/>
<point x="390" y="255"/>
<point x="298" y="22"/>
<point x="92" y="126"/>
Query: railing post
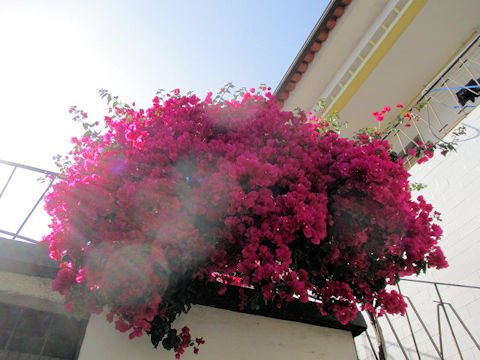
<point x="430" y="105"/>
<point x="464" y="326"/>
<point x="8" y="181"/>
<point x="371" y="345"/>
<point x="396" y="337"/>
<point x="448" y="321"/>
<point x="34" y="207"/>
<point x="410" y="327"/>
<point x="474" y="78"/>
<point x="439" y="322"/>
<point x="453" y="96"/>
<point x="440" y="353"/>
<point x="403" y="148"/>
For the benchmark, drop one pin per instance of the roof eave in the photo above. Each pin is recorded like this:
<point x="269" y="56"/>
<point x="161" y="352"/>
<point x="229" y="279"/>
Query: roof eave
<point x="312" y="45"/>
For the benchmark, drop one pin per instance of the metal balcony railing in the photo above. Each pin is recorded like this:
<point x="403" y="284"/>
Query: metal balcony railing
<point x="37" y="179"/>
<point x="395" y="338"/>
<point x="442" y="104"/>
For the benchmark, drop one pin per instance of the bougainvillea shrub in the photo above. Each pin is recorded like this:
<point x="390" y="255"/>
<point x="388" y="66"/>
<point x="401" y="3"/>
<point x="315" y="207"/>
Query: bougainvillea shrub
<point x="235" y="193"/>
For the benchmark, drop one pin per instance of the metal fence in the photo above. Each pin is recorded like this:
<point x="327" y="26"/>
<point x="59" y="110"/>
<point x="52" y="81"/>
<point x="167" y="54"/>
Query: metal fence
<point x="43" y="179"/>
<point x="450" y="327"/>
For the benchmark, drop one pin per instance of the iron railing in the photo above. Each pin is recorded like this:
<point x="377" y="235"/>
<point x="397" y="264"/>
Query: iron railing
<point x="441" y="105"/>
<point x="384" y="344"/>
<point x="51" y="178"/>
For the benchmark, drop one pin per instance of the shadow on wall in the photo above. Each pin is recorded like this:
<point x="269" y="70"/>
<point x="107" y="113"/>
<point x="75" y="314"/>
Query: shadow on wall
<point x="473" y="136"/>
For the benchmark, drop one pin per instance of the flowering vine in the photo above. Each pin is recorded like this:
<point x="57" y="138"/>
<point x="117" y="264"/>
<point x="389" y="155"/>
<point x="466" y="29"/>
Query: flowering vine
<point x="233" y="193"/>
<point x="420" y="151"/>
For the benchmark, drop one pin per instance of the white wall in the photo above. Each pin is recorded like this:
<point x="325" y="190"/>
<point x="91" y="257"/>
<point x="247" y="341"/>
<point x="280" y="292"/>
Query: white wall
<point x="453" y="187"/>
<point x="228" y="335"/>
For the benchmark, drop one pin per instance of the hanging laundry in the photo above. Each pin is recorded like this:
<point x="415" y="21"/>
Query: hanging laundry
<point x="470" y="92"/>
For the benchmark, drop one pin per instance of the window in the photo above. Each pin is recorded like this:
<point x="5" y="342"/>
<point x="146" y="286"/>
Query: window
<point x="25" y="332"/>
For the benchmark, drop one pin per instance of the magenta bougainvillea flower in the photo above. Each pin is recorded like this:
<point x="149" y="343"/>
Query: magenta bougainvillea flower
<point x="232" y="192"/>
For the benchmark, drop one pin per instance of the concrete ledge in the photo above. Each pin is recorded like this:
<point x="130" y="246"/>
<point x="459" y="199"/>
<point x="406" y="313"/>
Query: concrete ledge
<point x="30" y="291"/>
<point x="26" y="258"/>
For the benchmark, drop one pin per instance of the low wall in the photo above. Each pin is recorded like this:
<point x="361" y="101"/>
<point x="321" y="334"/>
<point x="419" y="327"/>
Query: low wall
<point x="228" y="335"/>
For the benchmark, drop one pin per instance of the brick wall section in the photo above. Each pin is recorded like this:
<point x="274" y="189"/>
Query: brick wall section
<point x="453" y="187"/>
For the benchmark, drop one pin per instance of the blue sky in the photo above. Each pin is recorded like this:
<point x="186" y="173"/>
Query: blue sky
<point x="60" y="53"/>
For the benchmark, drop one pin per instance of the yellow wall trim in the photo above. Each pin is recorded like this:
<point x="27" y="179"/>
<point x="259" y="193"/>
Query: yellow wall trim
<point x="378" y="54"/>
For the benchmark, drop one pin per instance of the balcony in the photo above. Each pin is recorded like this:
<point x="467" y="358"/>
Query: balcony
<point x="440" y="106"/>
<point x="439" y="324"/>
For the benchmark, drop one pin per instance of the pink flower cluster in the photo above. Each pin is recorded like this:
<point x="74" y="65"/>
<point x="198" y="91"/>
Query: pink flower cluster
<point x="191" y="188"/>
<point x="378" y="115"/>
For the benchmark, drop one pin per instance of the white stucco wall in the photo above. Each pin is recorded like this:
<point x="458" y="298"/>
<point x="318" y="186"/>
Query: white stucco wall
<point x="453" y="187"/>
<point x="228" y="335"/>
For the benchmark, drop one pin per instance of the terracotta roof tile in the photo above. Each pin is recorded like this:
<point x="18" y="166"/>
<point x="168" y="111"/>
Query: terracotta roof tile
<point x="322" y="36"/>
<point x="296" y="77"/>
<point x="317" y="45"/>
<point x="303" y="67"/>
<point x="331" y="24"/>
<point x="327" y="22"/>
<point x="339" y="12"/>
<point x="309" y="57"/>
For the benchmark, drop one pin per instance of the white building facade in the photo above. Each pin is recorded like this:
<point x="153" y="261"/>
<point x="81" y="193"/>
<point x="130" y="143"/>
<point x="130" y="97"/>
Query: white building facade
<point x="372" y="54"/>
